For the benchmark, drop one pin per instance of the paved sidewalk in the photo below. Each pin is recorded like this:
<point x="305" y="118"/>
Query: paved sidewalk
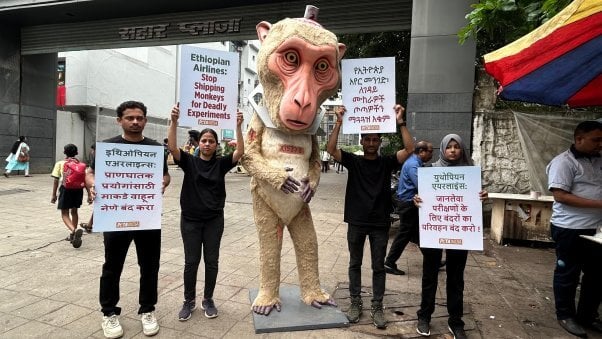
<point x="50" y="290"/>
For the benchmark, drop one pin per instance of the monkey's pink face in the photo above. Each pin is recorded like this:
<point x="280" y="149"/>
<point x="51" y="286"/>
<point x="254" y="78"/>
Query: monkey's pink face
<point x="306" y="71"/>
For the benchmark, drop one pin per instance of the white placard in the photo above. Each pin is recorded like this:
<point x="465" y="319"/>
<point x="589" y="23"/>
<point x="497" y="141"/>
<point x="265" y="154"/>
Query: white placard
<point x="451" y="214"/>
<point x="208" y="88"/>
<point x="368" y="89"/>
<point x="128" y="183"/>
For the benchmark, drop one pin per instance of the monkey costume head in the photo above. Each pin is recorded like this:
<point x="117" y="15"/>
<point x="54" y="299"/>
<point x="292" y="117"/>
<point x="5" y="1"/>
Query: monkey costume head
<point x="298" y="66"/>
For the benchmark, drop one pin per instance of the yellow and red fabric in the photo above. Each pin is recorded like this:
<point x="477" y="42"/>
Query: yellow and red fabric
<point x="558" y="63"/>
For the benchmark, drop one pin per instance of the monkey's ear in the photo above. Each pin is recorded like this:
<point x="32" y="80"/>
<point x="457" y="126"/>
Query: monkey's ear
<point x="342" y="49"/>
<point x="263" y="28"/>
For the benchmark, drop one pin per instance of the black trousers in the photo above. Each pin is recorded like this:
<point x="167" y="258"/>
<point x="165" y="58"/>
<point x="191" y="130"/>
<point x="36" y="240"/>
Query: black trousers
<point x="408" y="230"/>
<point x="148" y="251"/>
<point x="201" y="237"/>
<point x="378" y="237"/>
<point x="573" y="256"/>
<point x="456" y="262"/>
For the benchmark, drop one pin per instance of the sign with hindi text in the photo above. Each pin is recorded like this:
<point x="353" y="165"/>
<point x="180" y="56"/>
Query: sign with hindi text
<point x="208" y="88"/>
<point x="128" y="184"/>
<point x="451" y="213"/>
<point x="368" y="90"/>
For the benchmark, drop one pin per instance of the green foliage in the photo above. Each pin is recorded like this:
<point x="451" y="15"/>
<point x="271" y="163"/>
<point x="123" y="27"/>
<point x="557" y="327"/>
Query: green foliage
<point x="495" y="23"/>
<point x="227" y="149"/>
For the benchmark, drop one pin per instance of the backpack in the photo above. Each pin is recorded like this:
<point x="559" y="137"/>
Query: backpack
<point x="74" y="174"/>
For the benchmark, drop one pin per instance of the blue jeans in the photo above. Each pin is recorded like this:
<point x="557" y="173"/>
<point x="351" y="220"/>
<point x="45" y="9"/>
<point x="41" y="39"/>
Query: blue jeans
<point x="573" y="256"/>
<point x="201" y="237"/>
<point x="378" y="237"/>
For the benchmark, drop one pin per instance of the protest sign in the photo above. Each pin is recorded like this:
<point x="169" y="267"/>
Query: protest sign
<point x="208" y="88"/>
<point x="451" y="213"/>
<point x="128" y="184"/>
<point x="368" y="90"/>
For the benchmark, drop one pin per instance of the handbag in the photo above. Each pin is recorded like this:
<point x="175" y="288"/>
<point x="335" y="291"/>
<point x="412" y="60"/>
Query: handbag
<point x="23" y="156"/>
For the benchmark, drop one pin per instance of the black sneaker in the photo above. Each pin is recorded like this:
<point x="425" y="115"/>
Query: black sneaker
<point x="209" y="306"/>
<point x="571" y="326"/>
<point x="423" y="328"/>
<point x="77" y="238"/>
<point x="392" y="269"/>
<point x="458" y="332"/>
<point x="186" y="311"/>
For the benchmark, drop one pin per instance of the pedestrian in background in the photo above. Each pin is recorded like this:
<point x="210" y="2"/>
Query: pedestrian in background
<point x="575" y="180"/>
<point x="69" y="199"/>
<point x="202" y="202"/>
<point x="131" y="116"/>
<point x="87" y="226"/>
<point x="367" y="210"/>
<point x="18" y="159"/>
<point x="452" y="152"/>
<point x="408" y="212"/>
<point x="325" y="160"/>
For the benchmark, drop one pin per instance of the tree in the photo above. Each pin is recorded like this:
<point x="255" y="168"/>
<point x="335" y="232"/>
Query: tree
<point x="495" y="23"/>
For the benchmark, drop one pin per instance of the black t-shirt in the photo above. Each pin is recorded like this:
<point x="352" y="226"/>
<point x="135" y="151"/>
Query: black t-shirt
<point x="120" y="140"/>
<point x="203" y="193"/>
<point x="368" y="192"/>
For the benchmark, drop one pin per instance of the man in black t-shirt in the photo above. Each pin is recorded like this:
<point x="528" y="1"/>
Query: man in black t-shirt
<point x="367" y="210"/>
<point x="131" y="115"/>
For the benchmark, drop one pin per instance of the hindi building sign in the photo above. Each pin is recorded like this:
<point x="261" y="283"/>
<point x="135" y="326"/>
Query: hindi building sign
<point x="368" y="90"/>
<point x="208" y="88"/>
<point x="128" y="184"/>
<point x="450" y="215"/>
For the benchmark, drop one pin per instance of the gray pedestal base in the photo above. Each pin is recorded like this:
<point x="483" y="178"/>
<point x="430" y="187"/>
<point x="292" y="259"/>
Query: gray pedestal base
<point x="295" y="315"/>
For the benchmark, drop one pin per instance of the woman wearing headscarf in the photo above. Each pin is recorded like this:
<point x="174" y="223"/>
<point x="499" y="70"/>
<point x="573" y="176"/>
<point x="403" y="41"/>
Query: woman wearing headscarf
<point x="18" y="159"/>
<point x="451" y="153"/>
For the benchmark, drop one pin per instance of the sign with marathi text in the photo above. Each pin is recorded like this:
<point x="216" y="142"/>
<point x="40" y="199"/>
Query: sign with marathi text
<point x="368" y="89"/>
<point x="208" y="88"/>
<point x="451" y="213"/>
<point x="128" y="184"/>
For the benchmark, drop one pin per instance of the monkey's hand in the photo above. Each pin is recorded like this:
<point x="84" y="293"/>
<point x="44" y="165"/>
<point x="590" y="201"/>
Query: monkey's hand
<point x="265" y="310"/>
<point x="329" y="302"/>
<point x="290" y="185"/>
<point x="306" y="191"/>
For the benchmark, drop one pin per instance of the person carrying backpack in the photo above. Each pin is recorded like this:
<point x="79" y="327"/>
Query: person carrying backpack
<point x="71" y="173"/>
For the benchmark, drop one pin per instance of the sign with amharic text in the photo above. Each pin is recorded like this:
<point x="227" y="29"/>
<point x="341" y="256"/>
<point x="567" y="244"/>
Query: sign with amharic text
<point x="128" y="184"/>
<point x="451" y="213"/>
<point x="368" y="90"/>
<point x="208" y="88"/>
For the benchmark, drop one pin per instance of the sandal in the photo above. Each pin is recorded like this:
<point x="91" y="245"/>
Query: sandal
<point x="86" y="227"/>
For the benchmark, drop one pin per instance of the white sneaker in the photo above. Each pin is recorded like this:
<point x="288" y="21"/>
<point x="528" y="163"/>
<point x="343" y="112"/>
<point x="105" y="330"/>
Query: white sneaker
<point x="111" y="327"/>
<point x="150" y="326"/>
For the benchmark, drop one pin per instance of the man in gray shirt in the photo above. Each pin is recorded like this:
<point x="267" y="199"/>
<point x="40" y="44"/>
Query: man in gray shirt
<point x="575" y="179"/>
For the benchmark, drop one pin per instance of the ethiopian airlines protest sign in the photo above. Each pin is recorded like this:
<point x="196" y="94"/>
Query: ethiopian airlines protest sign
<point x="128" y="184"/>
<point x="208" y="88"/>
<point x="368" y="89"/>
<point x="451" y="213"/>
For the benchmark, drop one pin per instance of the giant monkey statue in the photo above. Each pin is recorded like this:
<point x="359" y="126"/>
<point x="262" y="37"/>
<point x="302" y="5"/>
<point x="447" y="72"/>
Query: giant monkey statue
<point x="298" y="66"/>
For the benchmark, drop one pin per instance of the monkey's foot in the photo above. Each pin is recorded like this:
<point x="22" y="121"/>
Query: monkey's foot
<point x="318" y="298"/>
<point x="264" y="304"/>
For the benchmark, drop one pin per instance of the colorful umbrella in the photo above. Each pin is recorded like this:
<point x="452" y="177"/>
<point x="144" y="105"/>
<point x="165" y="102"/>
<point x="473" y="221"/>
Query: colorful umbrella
<point x="558" y="63"/>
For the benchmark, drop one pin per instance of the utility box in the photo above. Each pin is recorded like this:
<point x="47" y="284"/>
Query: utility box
<point x="519" y="216"/>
